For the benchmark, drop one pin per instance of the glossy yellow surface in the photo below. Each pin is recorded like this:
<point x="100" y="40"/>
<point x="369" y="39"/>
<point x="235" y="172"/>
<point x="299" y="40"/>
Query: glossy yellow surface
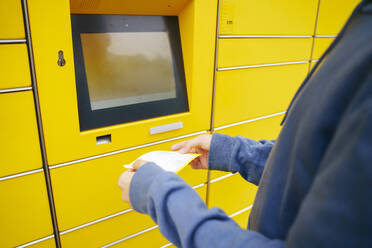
<point x="88" y="191"/>
<point x="333" y="14"/>
<point x="49" y="243"/>
<point x="250" y="93"/>
<point x="231" y="194"/>
<point x="24" y="215"/>
<point x="262" y="129"/>
<point x="284" y="17"/>
<point x="14" y="67"/>
<point x="242" y="219"/>
<point x="21" y="149"/>
<point x="141" y="7"/>
<point x="252" y="51"/>
<point x="11" y="19"/>
<point x="59" y="102"/>
<point x="150" y="239"/>
<point x="268" y="128"/>
<point x="114" y="229"/>
<point x="107" y="231"/>
<point x="320" y="46"/>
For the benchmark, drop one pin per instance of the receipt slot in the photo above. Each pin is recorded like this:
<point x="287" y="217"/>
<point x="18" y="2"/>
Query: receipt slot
<point x="134" y="71"/>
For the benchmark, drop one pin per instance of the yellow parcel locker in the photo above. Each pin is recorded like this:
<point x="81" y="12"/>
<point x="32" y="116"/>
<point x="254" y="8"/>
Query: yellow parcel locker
<point x="320" y="46"/>
<point x="251" y="17"/>
<point x="127" y="226"/>
<point x="11" y="19"/>
<point x="250" y="93"/>
<point x="255" y="51"/>
<point x="88" y="191"/>
<point x="20" y="151"/>
<point x="14" y="67"/>
<point x="333" y="14"/>
<point x="82" y="116"/>
<point x="25" y="214"/>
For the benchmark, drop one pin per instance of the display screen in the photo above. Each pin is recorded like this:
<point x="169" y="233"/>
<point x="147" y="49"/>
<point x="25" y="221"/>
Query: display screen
<point x="128" y="68"/>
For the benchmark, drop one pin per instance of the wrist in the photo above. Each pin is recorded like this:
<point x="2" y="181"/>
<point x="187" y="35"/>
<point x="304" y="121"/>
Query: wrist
<point x="141" y="185"/>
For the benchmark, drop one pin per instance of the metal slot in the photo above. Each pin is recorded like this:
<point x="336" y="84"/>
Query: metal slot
<point x="166" y="128"/>
<point x="105" y="139"/>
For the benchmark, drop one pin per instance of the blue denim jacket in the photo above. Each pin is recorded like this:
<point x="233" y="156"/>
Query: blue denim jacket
<point x="314" y="183"/>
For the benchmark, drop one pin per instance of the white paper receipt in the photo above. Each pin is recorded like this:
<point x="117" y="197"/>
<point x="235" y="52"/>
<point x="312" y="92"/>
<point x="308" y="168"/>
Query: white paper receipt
<point x="169" y="161"/>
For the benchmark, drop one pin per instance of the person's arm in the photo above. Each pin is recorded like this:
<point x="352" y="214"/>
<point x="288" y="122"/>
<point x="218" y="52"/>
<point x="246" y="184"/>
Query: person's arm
<point x="335" y="213"/>
<point x="233" y="154"/>
<point x="182" y="216"/>
<point x="238" y="154"/>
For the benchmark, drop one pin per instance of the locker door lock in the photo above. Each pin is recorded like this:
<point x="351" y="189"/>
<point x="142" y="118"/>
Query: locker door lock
<point x="61" y="60"/>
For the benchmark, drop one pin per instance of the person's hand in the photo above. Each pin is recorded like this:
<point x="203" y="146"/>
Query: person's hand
<point x="126" y="178"/>
<point x="200" y="145"/>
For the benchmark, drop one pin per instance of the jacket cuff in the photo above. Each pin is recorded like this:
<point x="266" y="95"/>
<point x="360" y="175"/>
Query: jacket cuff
<point x="139" y="190"/>
<point x="220" y="152"/>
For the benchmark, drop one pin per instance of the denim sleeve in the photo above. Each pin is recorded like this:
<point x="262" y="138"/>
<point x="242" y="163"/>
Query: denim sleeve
<point x="238" y="154"/>
<point x="182" y="216"/>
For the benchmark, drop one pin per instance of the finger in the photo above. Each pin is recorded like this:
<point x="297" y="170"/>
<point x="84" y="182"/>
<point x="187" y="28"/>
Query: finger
<point x="196" y="164"/>
<point x="190" y="144"/>
<point x="178" y="146"/>
<point x="138" y="163"/>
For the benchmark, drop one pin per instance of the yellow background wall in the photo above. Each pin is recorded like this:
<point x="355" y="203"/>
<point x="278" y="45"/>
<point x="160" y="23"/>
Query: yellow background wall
<point x="264" y="51"/>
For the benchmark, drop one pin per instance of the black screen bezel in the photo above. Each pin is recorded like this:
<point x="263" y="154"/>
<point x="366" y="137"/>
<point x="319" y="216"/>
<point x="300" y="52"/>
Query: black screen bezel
<point x="88" y="23"/>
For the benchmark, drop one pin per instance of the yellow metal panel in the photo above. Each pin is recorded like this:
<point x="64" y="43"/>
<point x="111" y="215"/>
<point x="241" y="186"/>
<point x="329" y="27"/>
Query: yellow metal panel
<point x="24" y="215"/>
<point x="11" y="19"/>
<point x="250" y="93"/>
<point x="128" y="7"/>
<point x="107" y="231"/>
<point x="333" y="15"/>
<point x="20" y="149"/>
<point x="262" y="129"/>
<point x="57" y="88"/>
<point x="231" y="194"/>
<point x="320" y="46"/>
<point x="242" y="219"/>
<point x="88" y="191"/>
<point x="268" y="128"/>
<point x="252" y="17"/>
<point x="252" y="51"/>
<point x="150" y="239"/>
<point x="14" y="67"/>
<point x="114" y="229"/>
<point x="49" y="243"/>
